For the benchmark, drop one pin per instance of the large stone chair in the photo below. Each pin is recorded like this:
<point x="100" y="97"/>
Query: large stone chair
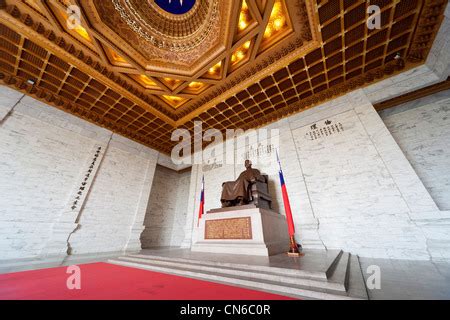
<point x="259" y="193"/>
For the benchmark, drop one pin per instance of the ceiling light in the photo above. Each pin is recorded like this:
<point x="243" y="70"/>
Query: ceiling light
<point x="242" y="25"/>
<point x="244" y="17"/>
<point x="195" y="85"/>
<point x="268" y="32"/>
<point x="79" y="29"/>
<point x="82" y="32"/>
<point x="171" y="81"/>
<point x="174" y="101"/>
<point x="146" y="80"/>
<point x="173" y="98"/>
<point x="278" y="23"/>
<point x="116" y="57"/>
<point x="215" y="68"/>
<point x="240" y="53"/>
<point x="277" y="20"/>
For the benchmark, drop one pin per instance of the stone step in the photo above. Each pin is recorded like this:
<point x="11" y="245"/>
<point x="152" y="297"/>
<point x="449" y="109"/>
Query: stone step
<point x="282" y="278"/>
<point x="333" y="263"/>
<point x="339" y="272"/>
<point x="306" y="274"/>
<point x="264" y="285"/>
<point x="356" y="283"/>
<point x="323" y="273"/>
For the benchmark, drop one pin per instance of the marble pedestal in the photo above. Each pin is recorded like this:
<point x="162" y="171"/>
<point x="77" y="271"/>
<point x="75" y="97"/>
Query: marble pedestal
<point x="242" y="230"/>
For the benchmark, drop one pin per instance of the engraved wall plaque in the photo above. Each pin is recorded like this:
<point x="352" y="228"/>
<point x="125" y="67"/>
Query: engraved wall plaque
<point x="233" y="228"/>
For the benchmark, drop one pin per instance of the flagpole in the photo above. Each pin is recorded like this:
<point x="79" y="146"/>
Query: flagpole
<point x="293" y="247"/>
<point x="202" y="201"/>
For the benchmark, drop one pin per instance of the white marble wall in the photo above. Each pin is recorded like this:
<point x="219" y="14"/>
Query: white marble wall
<point x="422" y="129"/>
<point x="8" y="99"/>
<point x="44" y="156"/>
<point x="117" y="200"/>
<point x="166" y="214"/>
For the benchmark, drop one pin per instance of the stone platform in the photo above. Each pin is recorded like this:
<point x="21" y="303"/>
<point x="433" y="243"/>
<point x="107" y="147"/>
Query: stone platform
<point x="319" y="274"/>
<point x="242" y="230"/>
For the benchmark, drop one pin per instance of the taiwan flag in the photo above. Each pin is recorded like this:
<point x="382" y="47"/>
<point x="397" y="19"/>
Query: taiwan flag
<point x="202" y="201"/>
<point x="287" y="205"/>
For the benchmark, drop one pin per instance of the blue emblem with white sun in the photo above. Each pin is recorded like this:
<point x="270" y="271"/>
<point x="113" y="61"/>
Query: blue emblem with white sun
<point x="175" y="6"/>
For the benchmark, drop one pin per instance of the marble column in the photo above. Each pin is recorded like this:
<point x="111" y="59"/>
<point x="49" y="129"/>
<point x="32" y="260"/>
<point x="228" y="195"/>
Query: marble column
<point x="58" y="244"/>
<point x="191" y="207"/>
<point x="134" y="242"/>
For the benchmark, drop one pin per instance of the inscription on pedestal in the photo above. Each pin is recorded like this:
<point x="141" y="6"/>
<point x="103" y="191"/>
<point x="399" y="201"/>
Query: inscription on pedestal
<point x="234" y="228"/>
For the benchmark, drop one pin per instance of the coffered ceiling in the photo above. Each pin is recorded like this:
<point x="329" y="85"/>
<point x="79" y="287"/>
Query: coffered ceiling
<point x="142" y="70"/>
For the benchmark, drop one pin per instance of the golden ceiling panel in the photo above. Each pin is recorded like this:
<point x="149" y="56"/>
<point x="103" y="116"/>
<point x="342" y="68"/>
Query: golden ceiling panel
<point x="245" y="18"/>
<point x="278" y="25"/>
<point x="174" y="101"/>
<point x="171" y="83"/>
<point x="266" y="60"/>
<point x="78" y="30"/>
<point x="115" y="58"/>
<point x="215" y="71"/>
<point x="246" y="21"/>
<point x="145" y="81"/>
<point x="195" y="87"/>
<point x="240" y="55"/>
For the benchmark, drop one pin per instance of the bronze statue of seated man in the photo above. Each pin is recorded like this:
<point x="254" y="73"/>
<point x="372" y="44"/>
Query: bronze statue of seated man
<point x="237" y="193"/>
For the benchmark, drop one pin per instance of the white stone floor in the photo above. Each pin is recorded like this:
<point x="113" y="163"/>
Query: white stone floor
<point x="400" y="279"/>
<point x="409" y="280"/>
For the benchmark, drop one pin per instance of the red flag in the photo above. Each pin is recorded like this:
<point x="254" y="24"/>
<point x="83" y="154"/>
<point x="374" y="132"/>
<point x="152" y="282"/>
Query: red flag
<point x="293" y="250"/>
<point x="202" y="201"/>
<point x="287" y="205"/>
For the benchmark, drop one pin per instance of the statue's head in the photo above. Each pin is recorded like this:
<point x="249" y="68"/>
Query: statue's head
<point x="248" y="164"/>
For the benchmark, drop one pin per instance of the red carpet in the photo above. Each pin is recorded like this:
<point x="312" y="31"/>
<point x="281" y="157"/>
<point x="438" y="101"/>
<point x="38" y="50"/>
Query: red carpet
<point x="102" y="281"/>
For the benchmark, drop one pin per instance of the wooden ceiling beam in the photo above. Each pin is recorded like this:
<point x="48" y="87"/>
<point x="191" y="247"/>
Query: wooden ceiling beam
<point x="435" y="88"/>
<point x="19" y="55"/>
